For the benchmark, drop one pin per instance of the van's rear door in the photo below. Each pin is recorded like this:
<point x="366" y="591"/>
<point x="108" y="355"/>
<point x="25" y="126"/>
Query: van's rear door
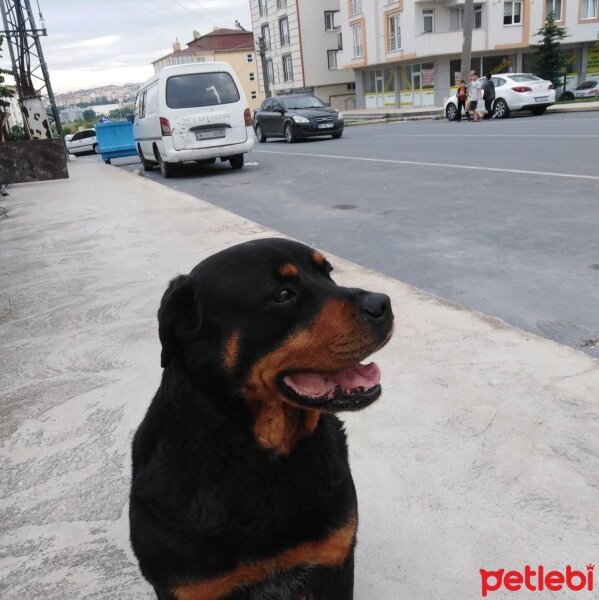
<point x="205" y="110"/>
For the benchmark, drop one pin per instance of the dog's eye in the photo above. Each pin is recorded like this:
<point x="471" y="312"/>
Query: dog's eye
<point x="328" y="267"/>
<point x="284" y="295"/>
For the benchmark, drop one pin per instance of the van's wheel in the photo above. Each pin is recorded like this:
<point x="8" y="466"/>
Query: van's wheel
<point x="260" y="135"/>
<point x="236" y="161"/>
<point x="96" y="149"/>
<point x="166" y="169"/>
<point x="146" y="164"/>
<point x="289" y="135"/>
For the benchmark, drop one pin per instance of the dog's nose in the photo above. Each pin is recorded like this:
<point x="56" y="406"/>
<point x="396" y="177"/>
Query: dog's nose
<point x="376" y="306"/>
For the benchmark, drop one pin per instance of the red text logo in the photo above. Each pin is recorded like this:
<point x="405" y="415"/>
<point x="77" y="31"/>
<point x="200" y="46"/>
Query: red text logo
<point x="537" y="580"/>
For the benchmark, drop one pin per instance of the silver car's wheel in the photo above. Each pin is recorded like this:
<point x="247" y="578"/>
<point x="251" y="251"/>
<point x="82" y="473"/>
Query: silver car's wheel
<point x="96" y="149"/>
<point x="451" y="112"/>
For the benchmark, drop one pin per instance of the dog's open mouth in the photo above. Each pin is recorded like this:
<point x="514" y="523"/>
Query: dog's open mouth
<point x="349" y="389"/>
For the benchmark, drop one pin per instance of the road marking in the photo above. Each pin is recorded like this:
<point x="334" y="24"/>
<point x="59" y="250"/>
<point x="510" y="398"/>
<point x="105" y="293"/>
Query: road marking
<point x="430" y="164"/>
<point x="497" y="135"/>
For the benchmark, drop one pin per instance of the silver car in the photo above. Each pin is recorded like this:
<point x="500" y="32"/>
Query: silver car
<point x="587" y="89"/>
<point x="513" y="92"/>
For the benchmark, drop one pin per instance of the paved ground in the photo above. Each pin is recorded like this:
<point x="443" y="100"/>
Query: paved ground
<point x="483" y="451"/>
<point x="499" y="216"/>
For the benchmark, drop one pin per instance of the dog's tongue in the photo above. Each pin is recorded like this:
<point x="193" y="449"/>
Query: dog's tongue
<point x="316" y="385"/>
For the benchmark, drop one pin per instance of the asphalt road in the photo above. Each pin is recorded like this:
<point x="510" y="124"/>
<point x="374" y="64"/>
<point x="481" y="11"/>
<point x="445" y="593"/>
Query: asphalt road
<point x="501" y="217"/>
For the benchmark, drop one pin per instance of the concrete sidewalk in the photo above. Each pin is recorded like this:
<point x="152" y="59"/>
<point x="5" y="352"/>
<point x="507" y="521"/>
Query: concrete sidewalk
<point x="372" y="115"/>
<point x="482" y="453"/>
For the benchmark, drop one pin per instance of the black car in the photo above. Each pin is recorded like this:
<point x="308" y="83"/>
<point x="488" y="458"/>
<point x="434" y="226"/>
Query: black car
<point x="295" y="117"/>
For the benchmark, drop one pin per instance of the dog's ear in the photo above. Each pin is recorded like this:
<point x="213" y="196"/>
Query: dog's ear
<point x="178" y="317"/>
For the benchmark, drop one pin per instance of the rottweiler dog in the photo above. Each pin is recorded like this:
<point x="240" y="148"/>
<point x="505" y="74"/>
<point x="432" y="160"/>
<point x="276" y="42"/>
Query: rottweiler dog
<point x="241" y="484"/>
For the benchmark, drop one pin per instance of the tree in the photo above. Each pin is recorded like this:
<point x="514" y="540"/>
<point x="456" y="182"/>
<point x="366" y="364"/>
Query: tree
<point x="89" y="115"/>
<point x="550" y="59"/>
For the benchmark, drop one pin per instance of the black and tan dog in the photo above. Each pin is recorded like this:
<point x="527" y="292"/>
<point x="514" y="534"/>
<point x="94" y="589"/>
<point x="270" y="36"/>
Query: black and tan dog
<point x="241" y="483"/>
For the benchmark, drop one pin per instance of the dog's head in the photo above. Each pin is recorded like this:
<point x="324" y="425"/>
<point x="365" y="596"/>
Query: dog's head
<point x="267" y="318"/>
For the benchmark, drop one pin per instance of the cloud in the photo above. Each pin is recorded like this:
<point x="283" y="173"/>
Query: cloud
<point x="106" y="40"/>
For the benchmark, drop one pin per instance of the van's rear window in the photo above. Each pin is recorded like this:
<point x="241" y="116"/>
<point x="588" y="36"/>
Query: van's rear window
<point x="200" y="89"/>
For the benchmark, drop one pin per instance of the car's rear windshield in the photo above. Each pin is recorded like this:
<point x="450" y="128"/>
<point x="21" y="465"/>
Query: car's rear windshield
<point x="200" y="89"/>
<point x="303" y="102"/>
<point x="525" y="77"/>
<point x="586" y="85"/>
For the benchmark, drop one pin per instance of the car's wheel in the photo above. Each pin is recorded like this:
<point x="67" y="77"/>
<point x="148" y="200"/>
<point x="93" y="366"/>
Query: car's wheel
<point x="96" y="149"/>
<point x="538" y="110"/>
<point x="146" y="164"/>
<point x="289" y="135"/>
<point x="451" y="112"/>
<point x="501" y="109"/>
<point x="337" y="135"/>
<point x="567" y="96"/>
<point x="166" y="169"/>
<point x="236" y="161"/>
<point x="260" y="135"/>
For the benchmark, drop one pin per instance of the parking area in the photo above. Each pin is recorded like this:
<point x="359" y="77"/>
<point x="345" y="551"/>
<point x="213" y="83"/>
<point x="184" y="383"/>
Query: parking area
<point x="498" y="216"/>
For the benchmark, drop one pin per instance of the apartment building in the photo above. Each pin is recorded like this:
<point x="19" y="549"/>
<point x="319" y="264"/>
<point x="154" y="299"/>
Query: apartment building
<point x="302" y="40"/>
<point x="408" y="52"/>
<point x="233" y="46"/>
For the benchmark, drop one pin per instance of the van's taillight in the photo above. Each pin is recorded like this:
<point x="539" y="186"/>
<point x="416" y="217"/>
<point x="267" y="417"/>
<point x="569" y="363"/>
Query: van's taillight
<point x="551" y="86"/>
<point x="165" y="126"/>
<point x="522" y="88"/>
<point x="247" y="115"/>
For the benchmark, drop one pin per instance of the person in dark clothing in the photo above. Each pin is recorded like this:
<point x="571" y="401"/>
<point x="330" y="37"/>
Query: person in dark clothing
<point x="488" y="88"/>
<point x="462" y="95"/>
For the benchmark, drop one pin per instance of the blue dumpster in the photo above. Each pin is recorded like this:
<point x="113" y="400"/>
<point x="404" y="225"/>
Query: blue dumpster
<point x="115" y="139"/>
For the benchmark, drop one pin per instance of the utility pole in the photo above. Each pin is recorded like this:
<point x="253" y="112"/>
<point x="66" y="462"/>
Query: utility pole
<point x="29" y="67"/>
<point x="262" y="51"/>
<point x="467" y="40"/>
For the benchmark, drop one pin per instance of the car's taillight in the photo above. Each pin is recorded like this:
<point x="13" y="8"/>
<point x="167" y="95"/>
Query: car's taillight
<point x="551" y="86"/>
<point x="522" y="88"/>
<point x="247" y="116"/>
<point x="165" y="126"/>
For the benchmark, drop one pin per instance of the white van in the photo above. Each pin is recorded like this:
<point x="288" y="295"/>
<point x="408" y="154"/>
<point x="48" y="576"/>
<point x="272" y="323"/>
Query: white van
<point x="193" y="112"/>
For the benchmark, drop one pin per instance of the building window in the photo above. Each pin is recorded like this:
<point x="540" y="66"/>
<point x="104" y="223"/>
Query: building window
<point x="329" y="20"/>
<point x="555" y="7"/>
<point x="252" y="77"/>
<point x="253" y="94"/>
<point x="588" y="9"/>
<point x="332" y="59"/>
<point x="393" y="34"/>
<point x="266" y="36"/>
<point x="284" y="31"/>
<point x="281" y="3"/>
<point x="428" y="20"/>
<point x="250" y="57"/>
<point x="263" y="7"/>
<point x="270" y="72"/>
<point x="456" y="18"/>
<point x="355" y="7"/>
<point x="512" y="13"/>
<point x="287" y="68"/>
<point x="357" y="33"/>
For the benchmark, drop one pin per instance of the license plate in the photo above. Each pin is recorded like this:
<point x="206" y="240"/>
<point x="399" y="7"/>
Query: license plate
<point x="210" y="135"/>
<point x="325" y="125"/>
<point x="542" y="99"/>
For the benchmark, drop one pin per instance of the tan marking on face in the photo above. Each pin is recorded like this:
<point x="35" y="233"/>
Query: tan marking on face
<point x="331" y="552"/>
<point x="333" y="341"/>
<point x="288" y="270"/>
<point x="318" y="258"/>
<point x="230" y="351"/>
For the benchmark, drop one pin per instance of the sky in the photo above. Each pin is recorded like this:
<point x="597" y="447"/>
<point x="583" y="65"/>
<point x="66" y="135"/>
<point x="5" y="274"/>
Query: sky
<point x="97" y="42"/>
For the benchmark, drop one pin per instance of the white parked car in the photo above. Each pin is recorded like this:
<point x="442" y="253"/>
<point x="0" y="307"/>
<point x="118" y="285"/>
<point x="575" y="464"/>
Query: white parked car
<point x="83" y="141"/>
<point x="587" y="89"/>
<point x="513" y="91"/>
